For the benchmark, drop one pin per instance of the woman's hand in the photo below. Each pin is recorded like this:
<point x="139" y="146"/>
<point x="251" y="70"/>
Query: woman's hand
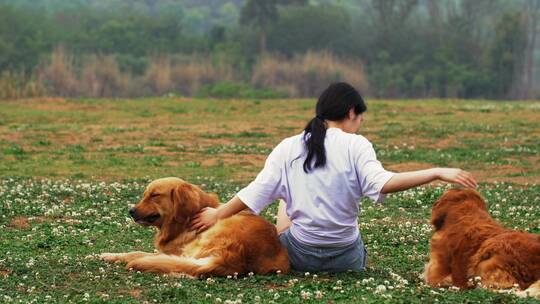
<point x="205" y="219"/>
<point x="457" y="176"/>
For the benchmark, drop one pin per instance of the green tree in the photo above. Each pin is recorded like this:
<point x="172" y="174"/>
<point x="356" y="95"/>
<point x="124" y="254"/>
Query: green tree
<point x="23" y="38"/>
<point x="261" y="14"/>
<point x="507" y="54"/>
<point x="303" y="28"/>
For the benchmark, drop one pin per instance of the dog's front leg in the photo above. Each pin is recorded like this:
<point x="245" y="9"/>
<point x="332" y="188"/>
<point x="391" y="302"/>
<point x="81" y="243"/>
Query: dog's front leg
<point x="436" y="272"/>
<point x="174" y="265"/>
<point x="124" y="257"/>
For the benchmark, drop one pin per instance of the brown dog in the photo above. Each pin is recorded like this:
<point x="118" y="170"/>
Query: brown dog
<point x="239" y="244"/>
<point x="468" y="243"/>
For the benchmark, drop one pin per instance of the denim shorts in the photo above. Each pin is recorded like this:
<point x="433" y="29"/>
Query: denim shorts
<point x="329" y="259"/>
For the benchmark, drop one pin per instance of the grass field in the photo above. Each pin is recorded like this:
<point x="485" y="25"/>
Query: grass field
<point x="70" y="169"/>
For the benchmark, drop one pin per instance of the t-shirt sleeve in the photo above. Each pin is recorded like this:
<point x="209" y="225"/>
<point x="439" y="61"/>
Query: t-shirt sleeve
<point x="372" y="176"/>
<point x="267" y="187"/>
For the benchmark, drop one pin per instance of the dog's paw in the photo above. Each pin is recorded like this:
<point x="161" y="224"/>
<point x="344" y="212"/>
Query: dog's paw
<point x="137" y="264"/>
<point x="110" y="257"/>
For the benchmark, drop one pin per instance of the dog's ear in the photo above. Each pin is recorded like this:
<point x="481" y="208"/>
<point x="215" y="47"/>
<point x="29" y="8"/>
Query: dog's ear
<point x="437" y="220"/>
<point x="443" y="205"/>
<point x="186" y="201"/>
<point x="438" y="214"/>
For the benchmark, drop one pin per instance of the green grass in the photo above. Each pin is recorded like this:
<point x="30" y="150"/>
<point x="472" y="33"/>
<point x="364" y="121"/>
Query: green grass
<point x="70" y="221"/>
<point x="71" y="169"/>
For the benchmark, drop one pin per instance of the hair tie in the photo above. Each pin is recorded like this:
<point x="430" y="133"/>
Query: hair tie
<point x="319" y="117"/>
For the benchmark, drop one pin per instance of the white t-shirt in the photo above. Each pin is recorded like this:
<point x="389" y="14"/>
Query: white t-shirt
<point x="323" y="204"/>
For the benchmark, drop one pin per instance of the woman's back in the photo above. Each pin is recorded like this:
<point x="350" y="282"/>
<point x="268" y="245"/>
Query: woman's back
<point x="322" y="204"/>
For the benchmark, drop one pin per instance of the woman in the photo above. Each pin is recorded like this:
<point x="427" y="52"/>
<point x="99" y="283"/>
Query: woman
<point x="321" y="175"/>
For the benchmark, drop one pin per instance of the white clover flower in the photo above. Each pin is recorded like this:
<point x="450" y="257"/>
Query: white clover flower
<point x="380" y="289"/>
<point x="306" y="295"/>
<point x="30" y="262"/>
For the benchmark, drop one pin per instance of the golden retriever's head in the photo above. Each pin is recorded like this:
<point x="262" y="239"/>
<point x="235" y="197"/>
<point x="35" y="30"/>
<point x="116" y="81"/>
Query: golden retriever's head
<point x="170" y="199"/>
<point x="455" y="201"/>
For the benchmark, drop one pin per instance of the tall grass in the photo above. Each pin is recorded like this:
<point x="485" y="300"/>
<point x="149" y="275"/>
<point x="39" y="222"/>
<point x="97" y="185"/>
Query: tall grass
<point x="157" y="79"/>
<point x="18" y="85"/>
<point x="58" y="76"/>
<point x="191" y="72"/>
<point x="100" y="76"/>
<point x="308" y="74"/>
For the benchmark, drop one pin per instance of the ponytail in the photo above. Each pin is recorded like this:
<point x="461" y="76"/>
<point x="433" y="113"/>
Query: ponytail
<point x="314" y="135"/>
<point x="334" y="104"/>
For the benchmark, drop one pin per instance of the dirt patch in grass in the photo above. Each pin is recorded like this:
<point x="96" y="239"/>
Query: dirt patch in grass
<point x="5" y="272"/>
<point x="505" y="173"/>
<point x="514" y="179"/>
<point x="408" y="166"/>
<point x="136" y="293"/>
<point x="19" y="222"/>
<point x="251" y="159"/>
<point x="443" y="143"/>
<point x="9" y="136"/>
<point x="158" y="150"/>
<point x="230" y="159"/>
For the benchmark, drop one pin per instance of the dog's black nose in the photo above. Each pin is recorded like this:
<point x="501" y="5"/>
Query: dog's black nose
<point x="132" y="212"/>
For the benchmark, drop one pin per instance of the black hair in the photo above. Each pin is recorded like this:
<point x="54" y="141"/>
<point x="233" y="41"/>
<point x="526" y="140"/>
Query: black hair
<point x="334" y="104"/>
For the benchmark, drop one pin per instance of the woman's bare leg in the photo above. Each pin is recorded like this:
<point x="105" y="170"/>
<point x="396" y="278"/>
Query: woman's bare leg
<point x="283" y="221"/>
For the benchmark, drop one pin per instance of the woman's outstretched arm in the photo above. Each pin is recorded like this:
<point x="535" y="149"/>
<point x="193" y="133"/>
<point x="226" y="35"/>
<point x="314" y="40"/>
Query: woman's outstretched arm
<point x="406" y="180"/>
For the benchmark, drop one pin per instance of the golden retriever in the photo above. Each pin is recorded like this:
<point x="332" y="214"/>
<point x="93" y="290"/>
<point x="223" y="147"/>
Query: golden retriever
<point x="240" y="244"/>
<point x="468" y="243"/>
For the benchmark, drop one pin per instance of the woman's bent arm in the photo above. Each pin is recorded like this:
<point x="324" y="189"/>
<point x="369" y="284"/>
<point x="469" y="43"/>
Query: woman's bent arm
<point x="406" y="180"/>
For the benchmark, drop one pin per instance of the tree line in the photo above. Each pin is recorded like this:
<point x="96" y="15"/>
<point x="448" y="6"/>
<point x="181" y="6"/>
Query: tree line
<point x="400" y="48"/>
